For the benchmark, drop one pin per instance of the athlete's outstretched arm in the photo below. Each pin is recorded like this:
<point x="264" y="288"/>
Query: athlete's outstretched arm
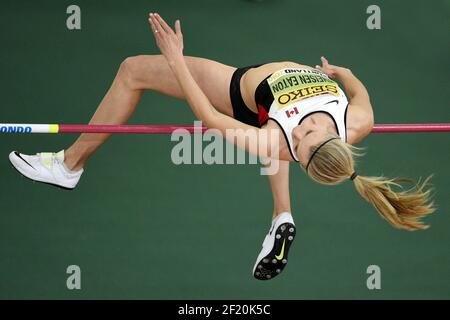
<point x="170" y="44"/>
<point x="279" y="183"/>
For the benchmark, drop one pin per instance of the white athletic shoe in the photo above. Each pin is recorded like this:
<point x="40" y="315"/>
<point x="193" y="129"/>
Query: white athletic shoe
<point x="47" y="168"/>
<point x="274" y="254"/>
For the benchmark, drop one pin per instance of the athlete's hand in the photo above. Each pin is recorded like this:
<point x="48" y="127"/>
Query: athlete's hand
<point x="170" y="43"/>
<point x="329" y="69"/>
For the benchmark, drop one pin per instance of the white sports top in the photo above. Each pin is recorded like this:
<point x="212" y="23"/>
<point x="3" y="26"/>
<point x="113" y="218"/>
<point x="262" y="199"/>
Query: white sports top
<point x="298" y="93"/>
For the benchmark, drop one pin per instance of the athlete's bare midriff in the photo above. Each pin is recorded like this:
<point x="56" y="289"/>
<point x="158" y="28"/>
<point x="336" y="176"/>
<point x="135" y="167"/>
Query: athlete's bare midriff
<point x="253" y="77"/>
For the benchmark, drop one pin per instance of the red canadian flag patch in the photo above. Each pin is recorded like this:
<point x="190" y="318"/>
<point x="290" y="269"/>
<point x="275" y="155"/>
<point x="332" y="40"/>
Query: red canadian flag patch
<point x="291" y="112"/>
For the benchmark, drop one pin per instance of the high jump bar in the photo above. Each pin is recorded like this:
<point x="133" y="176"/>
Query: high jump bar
<point x="168" y="129"/>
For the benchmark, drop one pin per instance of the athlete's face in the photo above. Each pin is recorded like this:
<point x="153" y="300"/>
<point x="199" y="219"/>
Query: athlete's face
<point x="310" y="133"/>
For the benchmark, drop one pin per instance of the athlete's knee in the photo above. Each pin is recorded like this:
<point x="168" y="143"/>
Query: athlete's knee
<point x="129" y="71"/>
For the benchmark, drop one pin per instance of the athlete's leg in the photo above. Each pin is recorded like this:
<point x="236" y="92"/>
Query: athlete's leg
<point x="148" y="72"/>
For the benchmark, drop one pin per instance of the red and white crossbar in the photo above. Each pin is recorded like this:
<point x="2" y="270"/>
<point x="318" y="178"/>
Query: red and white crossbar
<point x="168" y="129"/>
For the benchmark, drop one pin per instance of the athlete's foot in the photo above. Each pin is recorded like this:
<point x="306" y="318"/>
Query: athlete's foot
<point x="273" y="257"/>
<point x="47" y="168"/>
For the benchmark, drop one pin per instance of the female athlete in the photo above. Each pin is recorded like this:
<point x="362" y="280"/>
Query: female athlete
<point x="318" y="123"/>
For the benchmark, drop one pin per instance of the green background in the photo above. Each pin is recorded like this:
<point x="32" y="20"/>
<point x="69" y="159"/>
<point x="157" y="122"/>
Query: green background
<point x="142" y="227"/>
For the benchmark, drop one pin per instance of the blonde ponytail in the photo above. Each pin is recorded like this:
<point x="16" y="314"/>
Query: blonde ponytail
<point x="333" y="163"/>
<point x="403" y="209"/>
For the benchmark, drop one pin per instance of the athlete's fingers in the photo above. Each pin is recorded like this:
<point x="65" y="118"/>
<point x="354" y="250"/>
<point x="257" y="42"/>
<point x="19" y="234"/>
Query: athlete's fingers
<point x="324" y="61"/>
<point x="158" y="29"/>
<point x="178" y="28"/>
<point x="163" y="24"/>
<point x="152" y="21"/>
<point x="152" y="25"/>
<point x="178" y="32"/>
<point x="157" y="34"/>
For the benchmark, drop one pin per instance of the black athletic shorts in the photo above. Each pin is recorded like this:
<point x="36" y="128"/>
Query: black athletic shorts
<point x="240" y="111"/>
